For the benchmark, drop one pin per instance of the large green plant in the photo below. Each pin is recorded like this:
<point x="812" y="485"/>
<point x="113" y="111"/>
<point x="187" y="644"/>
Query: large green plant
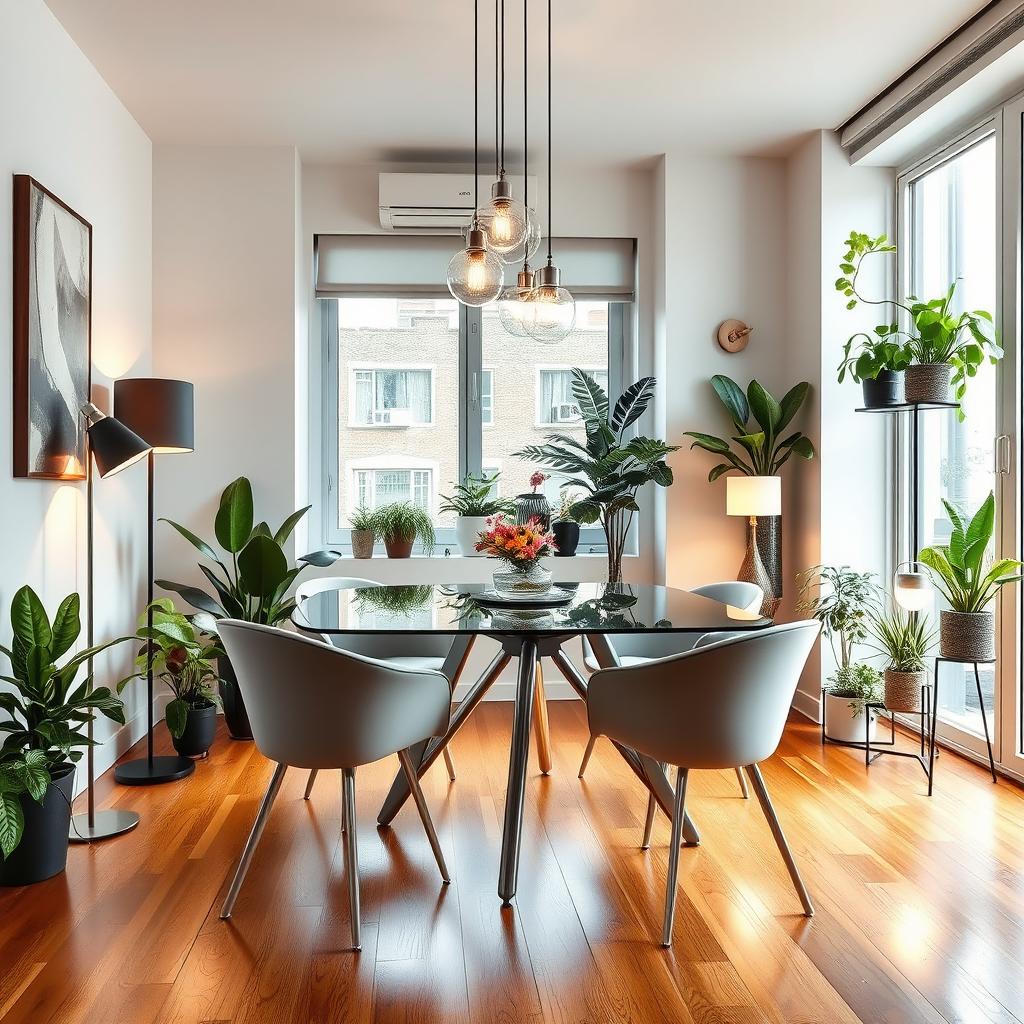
<point x="960" y="568"/>
<point x="763" y="447"/>
<point x="608" y="467"/>
<point x="843" y="601"/>
<point x="475" y="497"/>
<point x="253" y="580"/>
<point x="182" y="659"/>
<point x="46" y="711"/>
<point x="935" y="333"/>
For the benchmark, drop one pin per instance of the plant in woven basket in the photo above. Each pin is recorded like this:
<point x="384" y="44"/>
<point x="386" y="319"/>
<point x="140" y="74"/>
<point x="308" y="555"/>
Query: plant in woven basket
<point x="903" y="638"/>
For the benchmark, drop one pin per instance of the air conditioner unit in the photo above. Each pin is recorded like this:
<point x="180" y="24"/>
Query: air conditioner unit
<point x="566" y="412"/>
<point x="433" y="204"/>
<point x="393" y="417"/>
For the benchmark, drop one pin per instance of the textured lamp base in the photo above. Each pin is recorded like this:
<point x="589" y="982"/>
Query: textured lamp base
<point x="143" y="772"/>
<point x="105" y="825"/>
<point x="753" y="571"/>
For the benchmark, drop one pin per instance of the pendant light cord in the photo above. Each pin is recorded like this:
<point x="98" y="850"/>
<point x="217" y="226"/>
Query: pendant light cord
<point x="497" y="89"/>
<point x="476" y="108"/>
<point x="549" y="132"/>
<point x="502" y="171"/>
<point x="526" y="123"/>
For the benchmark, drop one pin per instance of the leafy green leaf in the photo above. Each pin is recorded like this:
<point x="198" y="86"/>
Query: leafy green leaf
<point x="234" y="520"/>
<point x="589" y="395"/>
<point x="195" y="597"/>
<point x="195" y="541"/>
<point x="632" y="403"/>
<point x="12" y="823"/>
<point x="285" y="529"/>
<point x="176" y="713"/>
<point x="732" y="397"/>
<point x="67" y="625"/>
<point x="29" y="619"/>
<point x="766" y="410"/>
<point x="790" y="405"/>
<point x="262" y="566"/>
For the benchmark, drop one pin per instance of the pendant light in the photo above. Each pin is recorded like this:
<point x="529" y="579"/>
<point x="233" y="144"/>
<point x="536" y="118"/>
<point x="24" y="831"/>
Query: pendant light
<point x="475" y="275"/>
<point x="553" y="308"/>
<point x="514" y="308"/>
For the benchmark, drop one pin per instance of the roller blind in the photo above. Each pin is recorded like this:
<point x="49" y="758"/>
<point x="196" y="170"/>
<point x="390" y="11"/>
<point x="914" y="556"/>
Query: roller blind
<point x="413" y="265"/>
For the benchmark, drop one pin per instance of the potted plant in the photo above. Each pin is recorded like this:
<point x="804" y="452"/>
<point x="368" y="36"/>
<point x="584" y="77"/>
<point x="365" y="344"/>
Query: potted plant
<point x="944" y="349"/>
<point x="904" y="639"/>
<point x="43" y="735"/>
<point x="520" y="548"/>
<point x="565" y="529"/>
<point x="843" y="601"/>
<point x="472" y="502"/>
<point x="534" y="505"/>
<point x="762" y="445"/>
<point x="252" y="583"/>
<point x="969" y="581"/>
<point x="877" y="363"/>
<point x="400" y="524"/>
<point x="185" y="662"/>
<point x="363" y="535"/>
<point x="609" y="468"/>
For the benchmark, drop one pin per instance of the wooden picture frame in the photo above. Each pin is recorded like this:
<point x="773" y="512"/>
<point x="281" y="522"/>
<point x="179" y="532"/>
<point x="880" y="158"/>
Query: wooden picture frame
<point x="52" y="334"/>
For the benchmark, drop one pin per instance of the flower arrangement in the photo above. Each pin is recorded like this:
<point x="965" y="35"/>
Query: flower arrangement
<point x="537" y="479"/>
<point x="520" y="545"/>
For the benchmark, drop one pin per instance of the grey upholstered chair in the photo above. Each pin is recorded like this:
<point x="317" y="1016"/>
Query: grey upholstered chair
<point x="314" y="706"/>
<point x="417" y="651"/>
<point x="639" y="648"/>
<point x="723" y="705"/>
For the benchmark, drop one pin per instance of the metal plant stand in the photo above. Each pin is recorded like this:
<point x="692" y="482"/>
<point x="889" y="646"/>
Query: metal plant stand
<point x="926" y="756"/>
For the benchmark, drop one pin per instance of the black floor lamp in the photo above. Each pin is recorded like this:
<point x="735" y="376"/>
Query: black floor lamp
<point x="112" y="447"/>
<point x="160" y="411"/>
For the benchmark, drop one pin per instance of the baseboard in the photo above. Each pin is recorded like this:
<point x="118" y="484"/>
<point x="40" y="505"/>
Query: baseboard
<point x="808" y="705"/>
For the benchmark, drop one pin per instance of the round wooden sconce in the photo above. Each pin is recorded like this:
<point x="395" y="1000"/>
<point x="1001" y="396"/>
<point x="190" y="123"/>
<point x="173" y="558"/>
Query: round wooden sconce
<point x="733" y="335"/>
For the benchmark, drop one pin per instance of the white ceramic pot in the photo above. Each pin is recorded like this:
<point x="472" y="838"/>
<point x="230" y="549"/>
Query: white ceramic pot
<point x="841" y="724"/>
<point x="467" y="530"/>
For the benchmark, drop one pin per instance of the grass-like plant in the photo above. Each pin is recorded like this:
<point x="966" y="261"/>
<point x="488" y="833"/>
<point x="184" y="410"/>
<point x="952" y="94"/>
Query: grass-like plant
<point x="404" y="521"/>
<point x="961" y="569"/>
<point x="475" y="497"/>
<point x="902" y="638"/>
<point x="401" y="600"/>
<point x="362" y="518"/>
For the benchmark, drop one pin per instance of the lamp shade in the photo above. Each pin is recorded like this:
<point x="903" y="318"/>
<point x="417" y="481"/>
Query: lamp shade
<point x="114" y="446"/>
<point x="910" y="589"/>
<point x="753" y="496"/>
<point x="159" y="410"/>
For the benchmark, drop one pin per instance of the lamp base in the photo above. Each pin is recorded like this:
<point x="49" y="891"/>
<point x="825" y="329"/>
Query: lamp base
<point x="752" y="570"/>
<point x="143" y="772"/>
<point x="105" y="825"/>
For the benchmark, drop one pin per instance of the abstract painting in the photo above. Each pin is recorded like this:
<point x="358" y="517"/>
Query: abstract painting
<point x="52" y="333"/>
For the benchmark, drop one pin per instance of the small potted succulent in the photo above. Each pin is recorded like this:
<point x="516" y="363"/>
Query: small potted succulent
<point x="944" y="349"/>
<point x="400" y="524"/>
<point x="843" y="601"/>
<point x="969" y="581"/>
<point x="472" y="502"/>
<point x="363" y="534"/>
<point x="904" y="639"/>
<point x="186" y="662"/>
<point x="565" y="529"/>
<point x="520" y="548"/>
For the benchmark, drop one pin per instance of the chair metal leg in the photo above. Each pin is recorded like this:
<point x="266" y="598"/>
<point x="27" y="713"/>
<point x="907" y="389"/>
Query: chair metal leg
<point x="780" y="838"/>
<point x="679" y="812"/>
<point x="351" y="852"/>
<point x="449" y="764"/>
<point x="253" y="841"/>
<point x="586" y="755"/>
<point x="652" y="806"/>
<point x="309" y="783"/>
<point x="421" y="805"/>
<point x="540" y="723"/>
<point x="743" y="783"/>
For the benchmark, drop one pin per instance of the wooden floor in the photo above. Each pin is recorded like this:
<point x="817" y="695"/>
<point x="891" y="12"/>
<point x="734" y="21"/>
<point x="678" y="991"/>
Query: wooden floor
<point x="920" y="902"/>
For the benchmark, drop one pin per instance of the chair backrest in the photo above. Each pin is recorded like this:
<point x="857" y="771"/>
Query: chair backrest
<point x="314" y="706"/>
<point x="373" y="645"/>
<point x="737" y="593"/>
<point x="720" y="706"/>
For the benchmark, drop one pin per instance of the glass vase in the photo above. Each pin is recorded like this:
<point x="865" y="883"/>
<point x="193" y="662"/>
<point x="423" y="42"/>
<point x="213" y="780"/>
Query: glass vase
<point x="517" y="579"/>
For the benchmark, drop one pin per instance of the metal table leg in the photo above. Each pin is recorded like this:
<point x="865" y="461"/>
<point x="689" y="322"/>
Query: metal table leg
<point x="517" y="763"/>
<point x="423" y="755"/>
<point x="984" y="722"/>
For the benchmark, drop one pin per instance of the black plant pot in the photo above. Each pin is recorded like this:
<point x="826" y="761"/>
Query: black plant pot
<point x="885" y="390"/>
<point x="567" y="538"/>
<point x="531" y="505"/>
<point x="236" y="718"/>
<point x="200" y="728"/>
<point x="43" y="850"/>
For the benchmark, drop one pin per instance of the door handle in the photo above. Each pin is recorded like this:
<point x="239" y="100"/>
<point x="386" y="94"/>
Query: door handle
<point x="1001" y="455"/>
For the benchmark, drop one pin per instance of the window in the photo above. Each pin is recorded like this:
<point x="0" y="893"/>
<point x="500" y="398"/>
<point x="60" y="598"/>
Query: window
<point x="487" y="398"/>
<point x="375" y="487"/>
<point x="391" y="397"/>
<point x="555" y="402"/>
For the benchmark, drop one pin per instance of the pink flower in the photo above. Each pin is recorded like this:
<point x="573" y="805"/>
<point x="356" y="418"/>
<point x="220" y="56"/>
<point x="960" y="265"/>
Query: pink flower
<point x="537" y="479"/>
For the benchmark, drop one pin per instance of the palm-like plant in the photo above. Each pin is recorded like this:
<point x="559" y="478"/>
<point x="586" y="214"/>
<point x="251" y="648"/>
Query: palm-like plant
<point x="904" y="638"/>
<point x="609" y="468"/>
<point x="960" y="568"/>
<point x="762" y="446"/>
<point x="475" y="497"/>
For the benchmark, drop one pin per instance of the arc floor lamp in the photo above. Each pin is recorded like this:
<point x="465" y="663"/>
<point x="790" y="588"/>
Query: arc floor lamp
<point x="162" y="412"/>
<point x="112" y="447"/>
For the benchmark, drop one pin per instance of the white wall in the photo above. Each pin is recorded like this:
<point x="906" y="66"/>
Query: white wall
<point x="61" y="124"/>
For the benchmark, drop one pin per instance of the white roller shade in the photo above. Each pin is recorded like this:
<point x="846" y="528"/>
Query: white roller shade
<point x="411" y="265"/>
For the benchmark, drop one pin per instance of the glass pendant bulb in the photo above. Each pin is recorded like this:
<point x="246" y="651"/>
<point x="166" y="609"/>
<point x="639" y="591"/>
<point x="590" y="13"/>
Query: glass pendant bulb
<point x="553" y="307"/>
<point x="504" y="220"/>
<point x="515" y="310"/>
<point x="911" y="589"/>
<point x="475" y="275"/>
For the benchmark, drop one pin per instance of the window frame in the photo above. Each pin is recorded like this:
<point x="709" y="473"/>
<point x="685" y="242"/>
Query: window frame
<point x="355" y="368"/>
<point x="621" y="356"/>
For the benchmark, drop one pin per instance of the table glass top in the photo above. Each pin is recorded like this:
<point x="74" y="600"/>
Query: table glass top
<point x="452" y="608"/>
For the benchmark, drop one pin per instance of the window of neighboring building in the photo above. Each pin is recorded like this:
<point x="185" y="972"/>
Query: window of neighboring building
<point x="375" y="487"/>
<point x="487" y="397"/>
<point x="391" y="397"/>
<point x="555" y="401"/>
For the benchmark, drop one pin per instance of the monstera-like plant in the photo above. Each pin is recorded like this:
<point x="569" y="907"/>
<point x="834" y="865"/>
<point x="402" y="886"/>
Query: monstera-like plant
<point x="608" y="467"/>
<point x="252" y="580"/>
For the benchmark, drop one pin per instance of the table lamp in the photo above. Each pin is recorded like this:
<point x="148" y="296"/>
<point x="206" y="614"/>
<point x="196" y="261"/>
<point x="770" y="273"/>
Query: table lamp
<point x="162" y="412"/>
<point x="112" y="447"/>
<point x="753" y="496"/>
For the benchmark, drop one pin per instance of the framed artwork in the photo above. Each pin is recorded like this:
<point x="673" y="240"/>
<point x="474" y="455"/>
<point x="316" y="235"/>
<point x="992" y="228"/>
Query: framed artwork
<point x="52" y="333"/>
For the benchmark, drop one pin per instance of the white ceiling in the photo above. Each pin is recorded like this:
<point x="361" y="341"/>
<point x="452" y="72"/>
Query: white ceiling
<point x="389" y="81"/>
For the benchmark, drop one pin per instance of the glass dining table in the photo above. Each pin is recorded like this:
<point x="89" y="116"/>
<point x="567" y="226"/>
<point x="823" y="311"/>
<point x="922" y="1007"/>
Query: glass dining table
<point x="593" y="610"/>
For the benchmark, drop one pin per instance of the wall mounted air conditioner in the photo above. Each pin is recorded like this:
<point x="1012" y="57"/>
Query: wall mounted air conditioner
<point x="566" y="412"/>
<point x="434" y="204"/>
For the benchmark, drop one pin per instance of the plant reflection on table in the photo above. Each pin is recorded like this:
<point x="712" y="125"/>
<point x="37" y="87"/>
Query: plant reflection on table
<point x="609" y="611"/>
<point x="397" y="601"/>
